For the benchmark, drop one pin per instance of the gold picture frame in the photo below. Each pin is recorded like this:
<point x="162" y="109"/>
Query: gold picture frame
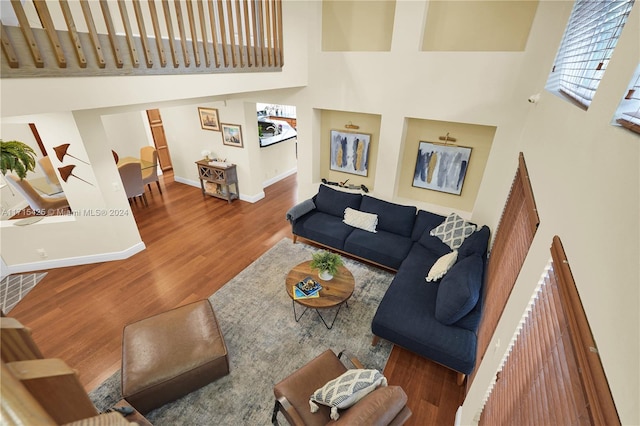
<point x="209" y="119"/>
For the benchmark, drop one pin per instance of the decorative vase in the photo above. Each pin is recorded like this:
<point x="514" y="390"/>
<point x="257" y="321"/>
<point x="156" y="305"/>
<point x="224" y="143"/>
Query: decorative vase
<point x="325" y="275"/>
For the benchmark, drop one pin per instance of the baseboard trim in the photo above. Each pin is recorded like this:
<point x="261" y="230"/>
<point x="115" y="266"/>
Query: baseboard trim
<point x="75" y="261"/>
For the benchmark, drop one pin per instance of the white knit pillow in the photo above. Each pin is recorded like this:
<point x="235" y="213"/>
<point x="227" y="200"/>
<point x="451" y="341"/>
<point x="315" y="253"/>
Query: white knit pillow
<point x="442" y="266"/>
<point x="362" y="220"/>
<point x="346" y="389"/>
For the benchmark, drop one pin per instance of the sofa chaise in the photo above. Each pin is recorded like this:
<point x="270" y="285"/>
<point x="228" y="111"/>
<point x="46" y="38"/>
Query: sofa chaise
<point x="434" y="303"/>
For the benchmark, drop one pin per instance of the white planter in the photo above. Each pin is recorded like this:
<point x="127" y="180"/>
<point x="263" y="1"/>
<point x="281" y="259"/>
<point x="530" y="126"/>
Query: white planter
<point x="325" y="275"/>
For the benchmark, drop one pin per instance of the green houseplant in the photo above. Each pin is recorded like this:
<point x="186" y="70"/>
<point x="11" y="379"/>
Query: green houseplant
<point x="326" y="263"/>
<point x="17" y="157"/>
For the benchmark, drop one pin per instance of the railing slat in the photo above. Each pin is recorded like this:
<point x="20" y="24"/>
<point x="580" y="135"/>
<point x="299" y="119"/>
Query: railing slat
<point x="247" y="28"/>
<point x="133" y="50"/>
<point x="214" y="37"/>
<point x="93" y="34"/>
<point x="47" y="24"/>
<point x="112" y="33"/>
<point x="172" y="46"/>
<point x="256" y="41"/>
<point x="8" y="49"/>
<point x="183" y="37"/>
<point x="239" y="22"/>
<point x="223" y="35"/>
<point x="143" y="33"/>
<point x="73" y="33"/>
<point x="27" y="33"/>
<point x="203" y="30"/>
<point x="158" y="34"/>
<point x="261" y="32"/>
<point x="280" y="33"/>
<point x="194" y="33"/>
<point x="268" y="24"/>
<point x="232" y="39"/>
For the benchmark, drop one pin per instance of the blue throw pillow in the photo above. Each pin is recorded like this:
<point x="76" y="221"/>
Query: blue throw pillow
<point x="459" y="290"/>
<point x="475" y="243"/>
<point x="334" y="202"/>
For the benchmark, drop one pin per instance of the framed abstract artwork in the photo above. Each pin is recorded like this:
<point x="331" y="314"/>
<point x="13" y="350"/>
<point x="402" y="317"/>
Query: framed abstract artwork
<point x="441" y="167"/>
<point x="209" y="119"/>
<point x="350" y="152"/>
<point x="232" y="135"/>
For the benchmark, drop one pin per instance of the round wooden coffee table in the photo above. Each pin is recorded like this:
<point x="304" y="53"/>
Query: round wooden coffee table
<point x="335" y="292"/>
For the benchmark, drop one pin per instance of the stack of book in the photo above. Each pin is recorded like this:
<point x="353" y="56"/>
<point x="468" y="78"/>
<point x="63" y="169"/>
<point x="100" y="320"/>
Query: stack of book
<point x="306" y="289"/>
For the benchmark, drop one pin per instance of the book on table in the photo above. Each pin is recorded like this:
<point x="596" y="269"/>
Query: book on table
<point x="306" y="288"/>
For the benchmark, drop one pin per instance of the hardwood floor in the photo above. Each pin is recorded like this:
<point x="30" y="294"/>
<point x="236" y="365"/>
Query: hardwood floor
<point x="193" y="246"/>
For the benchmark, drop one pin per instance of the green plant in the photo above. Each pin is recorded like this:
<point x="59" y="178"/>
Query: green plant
<point x="17" y="157"/>
<point x="326" y="261"/>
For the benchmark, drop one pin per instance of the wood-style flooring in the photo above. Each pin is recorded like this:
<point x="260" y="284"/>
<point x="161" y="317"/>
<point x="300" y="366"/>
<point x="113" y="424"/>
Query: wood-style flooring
<point x="193" y="246"/>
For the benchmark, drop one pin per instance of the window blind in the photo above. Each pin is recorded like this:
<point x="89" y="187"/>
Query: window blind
<point x="552" y="373"/>
<point x="588" y="42"/>
<point x="512" y="240"/>
<point x="628" y="112"/>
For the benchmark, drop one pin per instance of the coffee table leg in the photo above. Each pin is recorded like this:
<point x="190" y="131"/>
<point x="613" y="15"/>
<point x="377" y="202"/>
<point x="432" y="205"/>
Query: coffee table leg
<point x="329" y="327"/>
<point x="297" y="318"/>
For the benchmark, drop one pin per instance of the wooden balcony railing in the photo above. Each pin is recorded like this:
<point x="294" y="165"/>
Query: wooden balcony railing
<point x="65" y="38"/>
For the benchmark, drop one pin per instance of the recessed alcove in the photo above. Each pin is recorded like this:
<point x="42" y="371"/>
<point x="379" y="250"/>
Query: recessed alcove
<point x="477" y="137"/>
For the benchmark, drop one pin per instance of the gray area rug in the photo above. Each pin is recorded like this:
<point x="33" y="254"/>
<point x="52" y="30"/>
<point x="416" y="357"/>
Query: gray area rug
<point x="15" y="287"/>
<point x="266" y="344"/>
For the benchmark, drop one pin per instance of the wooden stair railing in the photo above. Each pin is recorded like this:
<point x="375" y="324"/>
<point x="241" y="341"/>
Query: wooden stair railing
<point x="85" y="38"/>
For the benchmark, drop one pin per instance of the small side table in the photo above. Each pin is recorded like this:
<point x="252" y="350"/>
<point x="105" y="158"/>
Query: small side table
<point x="223" y="177"/>
<point x="335" y="292"/>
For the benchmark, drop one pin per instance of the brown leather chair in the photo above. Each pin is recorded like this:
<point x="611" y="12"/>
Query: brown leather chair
<point x="384" y="406"/>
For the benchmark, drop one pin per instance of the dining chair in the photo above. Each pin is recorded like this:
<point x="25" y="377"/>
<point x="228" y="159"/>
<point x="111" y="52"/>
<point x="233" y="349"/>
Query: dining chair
<point x="150" y="154"/>
<point x="39" y="204"/>
<point x="131" y="175"/>
<point x="47" y="168"/>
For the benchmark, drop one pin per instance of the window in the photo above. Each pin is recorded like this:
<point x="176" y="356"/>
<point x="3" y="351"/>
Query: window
<point x="552" y="374"/>
<point x="628" y="112"/>
<point x="588" y="42"/>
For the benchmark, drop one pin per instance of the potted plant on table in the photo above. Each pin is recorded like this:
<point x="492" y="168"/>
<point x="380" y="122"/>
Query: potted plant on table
<point x="326" y="263"/>
<point x="17" y="157"/>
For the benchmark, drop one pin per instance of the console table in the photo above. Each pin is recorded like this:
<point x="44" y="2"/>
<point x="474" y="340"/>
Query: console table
<point x="216" y="180"/>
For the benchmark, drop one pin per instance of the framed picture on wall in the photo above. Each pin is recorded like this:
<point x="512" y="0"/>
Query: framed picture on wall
<point x="232" y="135"/>
<point x="441" y="167"/>
<point x="350" y="152"/>
<point x="209" y="119"/>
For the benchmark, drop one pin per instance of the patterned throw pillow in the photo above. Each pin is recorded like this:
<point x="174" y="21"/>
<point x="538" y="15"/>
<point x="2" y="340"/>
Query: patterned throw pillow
<point x="362" y="220"/>
<point x="442" y="266"/>
<point x="347" y="389"/>
<point x="453" y="231"/>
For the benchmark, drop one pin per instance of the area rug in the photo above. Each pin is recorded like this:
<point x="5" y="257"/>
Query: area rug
<point x="266" y="344"/>
<point x="15" y="287"/>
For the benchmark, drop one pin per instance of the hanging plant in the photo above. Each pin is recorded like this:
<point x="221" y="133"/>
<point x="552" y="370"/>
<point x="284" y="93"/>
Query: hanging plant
<point x="17" y="157"/>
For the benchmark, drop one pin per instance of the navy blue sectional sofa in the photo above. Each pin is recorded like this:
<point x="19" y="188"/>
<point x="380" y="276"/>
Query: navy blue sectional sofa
<point x="438" y="320"/>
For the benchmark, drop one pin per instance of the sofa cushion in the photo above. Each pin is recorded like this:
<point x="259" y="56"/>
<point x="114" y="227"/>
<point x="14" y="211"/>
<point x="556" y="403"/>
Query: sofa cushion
<point x="334" y="202"/>
<point x="323" y="228"/>
<point x="384" y="248"/>
<point x="346" y="389"/>
<point x="425" y="222"/>
<point x="453" y="230"/>
<point x="379" y="408"/>
<point x="459" y="290"/>
<point x="433" y="244"/>
<point x="442" y="266"/>
<point x="362" y="220"/>
<point x="475" y="244"/>
<point x="394" y="218"/>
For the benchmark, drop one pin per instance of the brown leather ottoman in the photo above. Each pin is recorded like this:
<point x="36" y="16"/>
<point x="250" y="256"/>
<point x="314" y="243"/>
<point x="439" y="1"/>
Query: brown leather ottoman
<point x="169" y="355"/>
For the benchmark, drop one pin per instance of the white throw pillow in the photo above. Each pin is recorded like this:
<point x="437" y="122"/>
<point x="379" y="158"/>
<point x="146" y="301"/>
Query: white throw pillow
<point x="362" y="220"/>
<point x="453" y="231"/>
<point x="346" y="389"/>
<point x="442" y="266"/>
